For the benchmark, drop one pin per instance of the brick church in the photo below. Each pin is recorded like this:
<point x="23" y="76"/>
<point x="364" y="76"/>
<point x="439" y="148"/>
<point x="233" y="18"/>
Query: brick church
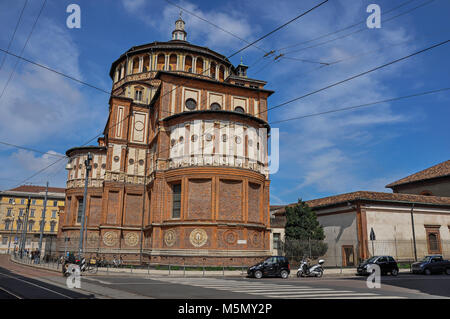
<point x="181" y="173"/>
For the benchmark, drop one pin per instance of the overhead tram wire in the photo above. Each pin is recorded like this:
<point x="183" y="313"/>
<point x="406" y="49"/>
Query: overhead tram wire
<point x="170" y="91"/>
<point x="358" y="30"/>
<point x="23" y="48"/>
<point x="31" y="149"/>
<point x="266" y="53"/>
<point x="357" y="75"/>
<point x="14" y="33"/>
<point x="342" y="29"/>
<point x="361" y="105"/>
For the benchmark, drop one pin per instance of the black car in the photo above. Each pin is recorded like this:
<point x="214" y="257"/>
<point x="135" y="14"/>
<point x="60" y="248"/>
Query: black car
<point x="275" y="266"/>
<point x="431" y="264"/>
<point x="387" y="265"/>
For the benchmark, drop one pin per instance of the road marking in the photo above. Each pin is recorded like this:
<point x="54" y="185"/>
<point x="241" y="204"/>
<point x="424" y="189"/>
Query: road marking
<point x="290" y="291"/>
<point x="314" y="291"/>
<point x="10" y="293"/>
<point x="323" y="295"/>
<point x="33" y="284"/>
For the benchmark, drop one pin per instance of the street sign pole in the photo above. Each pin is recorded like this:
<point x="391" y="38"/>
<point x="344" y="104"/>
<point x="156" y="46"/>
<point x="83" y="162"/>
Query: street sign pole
<point x="372" y="238"/>
<point x="42" y="224"/>
<point x="83" y="214"/>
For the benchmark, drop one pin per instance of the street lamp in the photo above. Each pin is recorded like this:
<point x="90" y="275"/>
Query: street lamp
<point x="12" y="226"/>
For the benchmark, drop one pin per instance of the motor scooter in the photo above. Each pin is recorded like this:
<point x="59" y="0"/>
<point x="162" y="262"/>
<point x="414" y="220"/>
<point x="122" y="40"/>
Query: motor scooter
<point x="315" y="271"/>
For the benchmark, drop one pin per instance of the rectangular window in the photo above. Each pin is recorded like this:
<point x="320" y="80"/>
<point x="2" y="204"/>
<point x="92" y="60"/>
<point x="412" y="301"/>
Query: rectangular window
<point x="52" y="226"/>
<point x="33" y="202"/>
<point x="176" y="201"/>
<point x="80" y="210"/>
<point x="7" y="224"/>
<point x="32" y="213"/>
<point x="276" y="241"/>
<point x="21" y="212"/>
<point x="53" y="213"/>
<point x="55" y="203"/>
<point x="22" y="201"/>
<point x="433" y="239"/>
<point x="11" y="200"/>
<point x="8" y="213"/>
<point x="4" y="240"/>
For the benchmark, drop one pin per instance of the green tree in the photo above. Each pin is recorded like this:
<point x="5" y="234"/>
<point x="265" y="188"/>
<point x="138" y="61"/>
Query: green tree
<point x="303" y="234"/>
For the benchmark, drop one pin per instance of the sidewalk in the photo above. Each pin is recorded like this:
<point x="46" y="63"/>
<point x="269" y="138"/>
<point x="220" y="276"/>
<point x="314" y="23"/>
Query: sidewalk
<point x="328" y="272"/>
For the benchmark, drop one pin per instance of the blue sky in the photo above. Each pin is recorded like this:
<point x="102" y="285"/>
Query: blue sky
<point x="362" y="149"/>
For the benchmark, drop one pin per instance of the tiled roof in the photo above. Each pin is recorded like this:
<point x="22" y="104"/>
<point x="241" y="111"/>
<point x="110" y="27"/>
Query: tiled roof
<point x="377" y="196"/>
<point x="37" y="189"/>
<point x="439" y="170"/>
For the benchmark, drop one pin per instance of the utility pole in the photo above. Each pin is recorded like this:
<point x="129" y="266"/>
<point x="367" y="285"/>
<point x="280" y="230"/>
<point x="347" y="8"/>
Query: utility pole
<point x="42" y="223"/>
<point x="413" y="232"/>
<point x="87" y="163"/>
<point x="24" y="229"/>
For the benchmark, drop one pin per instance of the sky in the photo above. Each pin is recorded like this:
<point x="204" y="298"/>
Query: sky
<point x="359" y="149"/>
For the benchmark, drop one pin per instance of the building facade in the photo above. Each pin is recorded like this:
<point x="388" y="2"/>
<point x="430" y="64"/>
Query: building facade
<point x="407" y="224"/>
<point x="14" y="219"/>
<point x="181" y="174"/>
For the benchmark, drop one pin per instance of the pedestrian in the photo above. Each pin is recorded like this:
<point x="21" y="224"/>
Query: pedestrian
<point x="120" y="261"/>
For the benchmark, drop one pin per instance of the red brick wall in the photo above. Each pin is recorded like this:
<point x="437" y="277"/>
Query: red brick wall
<point x="113" y="208"/>
<point x="230" y="200"/>
<point x="95" y="211"/>
<point x="133" y="210"/>
<point x="199" y="199"/>
<point x="254" y="191"/>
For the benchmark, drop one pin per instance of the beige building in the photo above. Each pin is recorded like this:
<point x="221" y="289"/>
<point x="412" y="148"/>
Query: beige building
<point x="410" y="223"/>
<point x="13" y="217"/>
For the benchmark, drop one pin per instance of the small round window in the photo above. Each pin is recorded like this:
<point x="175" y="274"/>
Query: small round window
<point x="208" y="137"/>
<point x="191" y="104"/>
<point x="141" y="162"/>
<point x="131" y="161"/>
<point x="116" y="158"/>
<point x="181" y="139"/>
<point x="239" y="110"/>
<point x="103" y="165"/>
<point x="194" y="138"/>
<point x="238" y="140"/>
<point x="224" y="138"/>
<point x="172" y="142"/>
<point x="215" y="107"/>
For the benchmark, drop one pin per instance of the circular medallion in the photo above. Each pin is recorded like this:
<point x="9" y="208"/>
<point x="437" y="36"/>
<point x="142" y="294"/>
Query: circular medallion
<point x="255" y="239"/>
<point x="139" y="126"/>
<point x="230" y="237"/>
<point x="110" y="238"/>
<point x="131" y="239"/>
<point x="170" y="237"/>
<point x="238" y="139"/>
<point x="198" y="237"/>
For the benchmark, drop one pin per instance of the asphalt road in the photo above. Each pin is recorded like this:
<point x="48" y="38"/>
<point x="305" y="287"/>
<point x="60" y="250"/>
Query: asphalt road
<point x="19" y="281"/>
<point x="15" y="286"/>
<point x="403" y="286"/>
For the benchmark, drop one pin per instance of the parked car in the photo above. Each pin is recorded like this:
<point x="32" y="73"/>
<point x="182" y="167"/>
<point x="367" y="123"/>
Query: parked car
<point x="387" y="265"/>
<point x="431" y="265"/>
<point x="275" y="266"/>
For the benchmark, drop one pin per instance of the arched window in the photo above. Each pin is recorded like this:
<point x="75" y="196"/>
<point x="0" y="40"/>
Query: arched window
<point x="188" y="64"/>
<point x="138" y="93"/>
<point x="30" y="225"/>
<point x="135" y="65"/>
<point x="239" y="109"/>
<point x="173" y="62"/>
<point x="215" y="107"/>
<point x="221" y="73"/>
<point x="7" y="224"/>
<point x="160" y="62"/>
<point x="212" y="70"/>
<point x="191" y="104"/>
<point x="199" y="66"/>
<point x="146" y="65"/>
